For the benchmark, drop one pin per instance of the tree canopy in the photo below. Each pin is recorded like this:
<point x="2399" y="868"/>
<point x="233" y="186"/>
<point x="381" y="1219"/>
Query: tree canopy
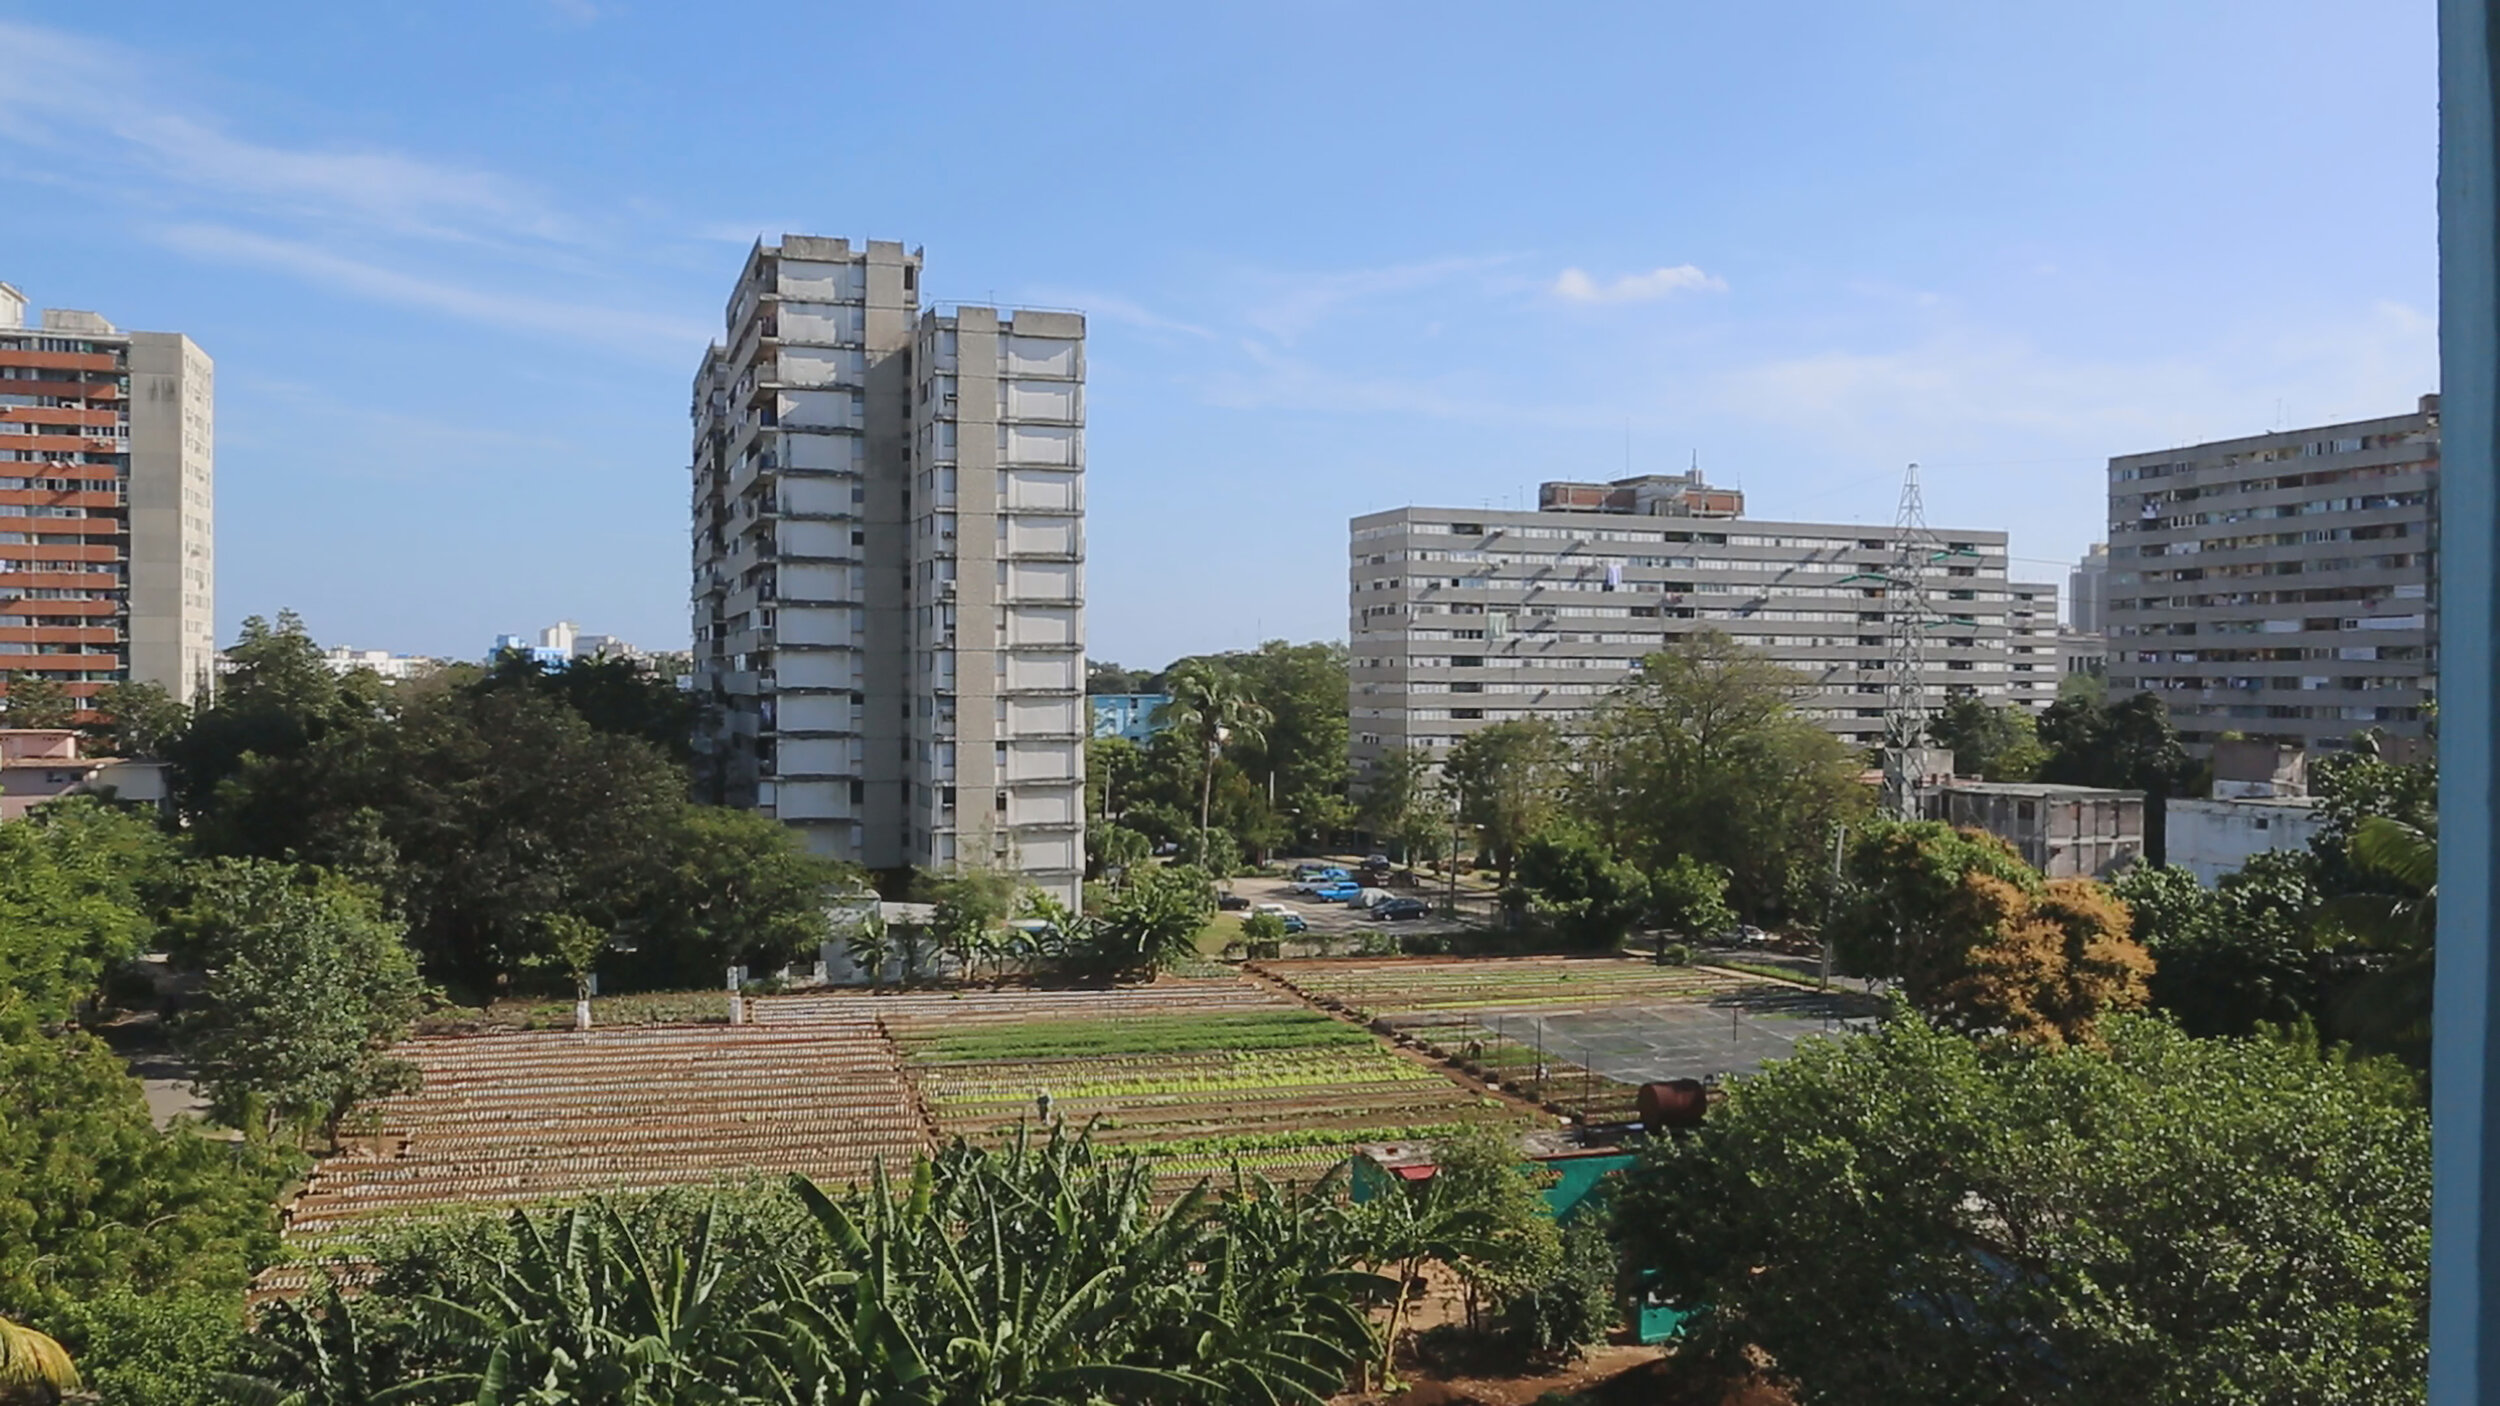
<point x="1911" y="1217"/>
<point x="1703" y="752"/>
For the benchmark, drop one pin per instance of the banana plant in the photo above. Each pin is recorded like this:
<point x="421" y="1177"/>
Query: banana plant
<point x="33" y="1367"/>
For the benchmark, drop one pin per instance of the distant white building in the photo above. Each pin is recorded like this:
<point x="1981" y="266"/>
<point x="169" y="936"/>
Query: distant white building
<point x="563" y="642"/>
<point x="2261" y="802"/>
<point x="343" y="660"/>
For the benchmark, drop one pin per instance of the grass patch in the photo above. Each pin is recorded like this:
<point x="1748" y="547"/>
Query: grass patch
<point x="1221" y="929"/>
<point x="1776" y="973"/>
<point x="1145" y="1035"/>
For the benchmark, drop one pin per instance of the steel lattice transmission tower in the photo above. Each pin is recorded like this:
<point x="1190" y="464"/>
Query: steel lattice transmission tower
<point x="1907" y="610"/>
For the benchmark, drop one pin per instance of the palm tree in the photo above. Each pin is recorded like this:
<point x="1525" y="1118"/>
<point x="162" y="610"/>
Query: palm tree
<point x="32" y="1366"/>
<point x="2390" y="1006"/>
<point x="1211" y="705"/>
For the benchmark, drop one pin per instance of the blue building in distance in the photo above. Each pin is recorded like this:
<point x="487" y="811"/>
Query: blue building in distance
<point x="1129" y="715"/>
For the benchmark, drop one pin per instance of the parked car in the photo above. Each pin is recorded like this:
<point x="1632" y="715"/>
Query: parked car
<point x="1294" y="922"/>
<point x="1231" y="902"/>
<point x="1323" y="879"/>
<point x="1338" y="892"/>
<point x="1375" y="861"/>
<point x="1369" y="898"/>
<point x="1747" y="935"/>
<point x="1310" y="869"/>
<point x="1398" y="908"/>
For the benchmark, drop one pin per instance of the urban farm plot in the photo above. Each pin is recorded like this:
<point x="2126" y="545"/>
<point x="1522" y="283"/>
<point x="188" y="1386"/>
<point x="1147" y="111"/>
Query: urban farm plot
<point x="1579" y="1034"/>
<point x="549" y="1115"/>
<point x="1199" y="1075"/>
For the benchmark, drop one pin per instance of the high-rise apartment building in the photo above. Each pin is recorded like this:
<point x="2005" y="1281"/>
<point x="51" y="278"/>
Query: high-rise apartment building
<point x="889" y="565"/>
<point x="107" y="503"/>
<point x="2087" y="592"/>
<point x="1464" y="617"/>
<point x="2031" y="664"/>
<point x="2282" y="587"/>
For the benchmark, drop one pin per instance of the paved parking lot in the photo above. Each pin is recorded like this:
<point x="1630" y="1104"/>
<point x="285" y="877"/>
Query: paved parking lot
<point x="1336" y="918"/>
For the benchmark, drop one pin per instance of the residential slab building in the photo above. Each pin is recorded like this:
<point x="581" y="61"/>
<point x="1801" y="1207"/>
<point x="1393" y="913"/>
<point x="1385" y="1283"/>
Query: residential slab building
<point x="107" y="503"/>
<point x="1464" y="617"/>
<point x="888" y="556"/>
<point x="2280" y="587"/>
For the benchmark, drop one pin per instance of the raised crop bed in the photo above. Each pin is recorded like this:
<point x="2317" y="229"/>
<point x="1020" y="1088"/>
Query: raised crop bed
<point x="546" y="1116"/>
<point x="1202" y="1076"/>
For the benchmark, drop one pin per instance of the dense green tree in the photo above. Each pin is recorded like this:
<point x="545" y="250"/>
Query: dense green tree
<point x="734" y="888"/>
<point x="1298" y="757"/>
<point x="2354" y="785"/>
<point x="1211" y="709"/>
<point x="307" y="987"/>
<point x="1509" y="779"/>
<point x="1400" y="803"/>
<point x="68" y="910"/>
<point x="2129" y="746"/>
<point x="136" y="719"/>
<point x="1909" y="1217"/>
<point x="488" y="809"/>
<point x="1704" y="753"/>
<point x="130" y="1245"/>
<point x="1999" y="742"/>
<point x="1689" y="898"/>
<point x="621" y="696"/>
<point x="2231" y="958"/>
<point x="30" y="699"/>
<point x="1102" y="676"/>
<point x="1976" y="938"/>
<point x="1591" y="896"/>
<point x="277" y="697"/>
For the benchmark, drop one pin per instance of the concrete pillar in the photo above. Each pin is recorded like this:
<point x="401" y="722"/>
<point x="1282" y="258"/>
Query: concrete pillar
<point x="2465" y="1056"/>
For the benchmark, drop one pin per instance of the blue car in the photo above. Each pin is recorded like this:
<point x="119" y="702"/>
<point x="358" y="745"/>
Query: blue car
<point x="1337" y="892"/>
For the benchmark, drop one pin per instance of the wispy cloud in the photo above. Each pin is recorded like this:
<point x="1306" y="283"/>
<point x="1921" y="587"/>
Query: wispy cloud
<point x="60" y="92"/>
<point x="663" y="337"/>
<point x="1576" y="286"/>
<point x="1962" y="384"/>
<point x="1305" y="300"/>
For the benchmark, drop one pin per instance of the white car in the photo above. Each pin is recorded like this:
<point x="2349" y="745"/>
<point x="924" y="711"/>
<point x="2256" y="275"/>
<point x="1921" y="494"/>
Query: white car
<point x="1279" y="909"/>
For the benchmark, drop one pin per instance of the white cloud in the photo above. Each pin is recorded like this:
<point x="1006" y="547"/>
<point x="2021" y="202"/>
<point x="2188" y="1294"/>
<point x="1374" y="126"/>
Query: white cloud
<point x="664" y="338"/>
<point x="1575" y="286"/>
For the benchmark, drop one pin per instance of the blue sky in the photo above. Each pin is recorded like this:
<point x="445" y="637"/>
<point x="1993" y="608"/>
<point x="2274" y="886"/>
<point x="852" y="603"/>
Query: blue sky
<point x="457" y="261"/>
